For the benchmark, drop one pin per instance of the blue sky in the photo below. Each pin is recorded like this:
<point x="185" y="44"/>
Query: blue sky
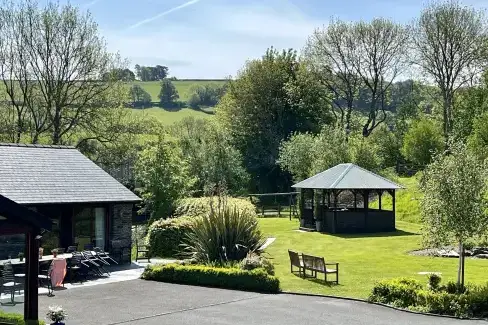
<point x="214" y="38"/>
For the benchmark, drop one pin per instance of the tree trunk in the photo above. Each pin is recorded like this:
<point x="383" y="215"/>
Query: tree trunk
<point x="460" y="280"/>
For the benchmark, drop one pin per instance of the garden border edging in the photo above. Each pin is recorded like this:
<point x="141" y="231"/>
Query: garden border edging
<point x="379" y="304"/>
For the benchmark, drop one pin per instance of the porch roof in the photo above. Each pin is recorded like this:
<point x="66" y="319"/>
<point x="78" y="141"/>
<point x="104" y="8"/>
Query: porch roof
<point x="347" y="176"/>
<point x="38" y="174"/>
<point x="11" y="211"/>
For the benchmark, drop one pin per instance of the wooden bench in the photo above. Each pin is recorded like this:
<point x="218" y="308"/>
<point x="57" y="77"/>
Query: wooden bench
<point x="296" y="261"/>
<point x="317" y="264"/>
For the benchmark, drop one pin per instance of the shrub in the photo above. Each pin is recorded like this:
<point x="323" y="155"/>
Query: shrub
<point x="472" y="302"/>
<point x="434" y="281"/>
<point x="193" y="207"/>
<point x="14" y="319"/>
<point x="165" y="236"/>
<point x="255" y="261"/>
<point x="229" y="278"/>
<point x="224" y="234"/>
<point x="401" y="291"/>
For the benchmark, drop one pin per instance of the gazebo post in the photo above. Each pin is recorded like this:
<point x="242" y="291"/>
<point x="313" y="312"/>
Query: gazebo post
<point x="355" y="199"/>
<point x="380" y="192"/>
<point x="366" y="208"/>
<point x="31" y="302"/>
<point x="334" y="223"/>
<point x="302" y="202"/>
<point x="322" y="210"/>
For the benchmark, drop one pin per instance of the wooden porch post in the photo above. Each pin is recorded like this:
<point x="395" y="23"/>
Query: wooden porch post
<point x="31" y="303"/>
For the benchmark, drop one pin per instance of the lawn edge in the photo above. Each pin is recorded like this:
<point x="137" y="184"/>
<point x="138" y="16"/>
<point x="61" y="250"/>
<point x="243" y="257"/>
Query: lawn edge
<point x="378" y="304"/>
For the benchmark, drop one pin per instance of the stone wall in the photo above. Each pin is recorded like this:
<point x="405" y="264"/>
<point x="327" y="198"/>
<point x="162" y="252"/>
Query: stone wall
<point x="121" y="230"/>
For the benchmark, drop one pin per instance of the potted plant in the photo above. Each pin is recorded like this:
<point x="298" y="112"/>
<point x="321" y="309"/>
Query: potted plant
<point x="54" y="252"/>
<point x="41" y="252"/>
<point x="56" y="315"/>
<point x="21" y="256"/>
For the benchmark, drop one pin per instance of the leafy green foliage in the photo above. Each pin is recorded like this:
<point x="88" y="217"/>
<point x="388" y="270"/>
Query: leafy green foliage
<point x="254" y="261"/>
<point x="168" y="95"/>
<point x="14" y="319"/>
<point x="230" y="278"/>
<point x="165" y="236"/>
<point x="304" y="155"/>
<point x="206" y="95"/>
<point x="478" y="140"/>
<point x="164" y="176"/>
<point x="211" y="156"/>
<point x="225" y="234"/>
<point x="270" y="99"/>
<point x="434" y="281"/>
<point x="422" y="140"/>
<point x="410" y="294"/>
<point x="454" y="206"/>
<point x="195" y="207"/>
<point x="158" y="72"/>
<point x="139" y="97"/>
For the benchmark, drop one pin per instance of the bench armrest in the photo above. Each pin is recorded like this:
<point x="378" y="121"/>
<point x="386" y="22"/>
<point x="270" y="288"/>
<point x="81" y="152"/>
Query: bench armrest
<point x="332" y="263"/>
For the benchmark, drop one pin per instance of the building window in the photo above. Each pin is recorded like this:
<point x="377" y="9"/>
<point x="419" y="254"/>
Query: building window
<point x="89" y="227"/>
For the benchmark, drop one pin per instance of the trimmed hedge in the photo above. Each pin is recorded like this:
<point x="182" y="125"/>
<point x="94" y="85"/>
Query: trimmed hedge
<point x="165" y="236"/>
<point x="410" y="294"/>
<point x="16" y="319"/>
<point x="195" y="207"/>
<point x="229" y="278"/>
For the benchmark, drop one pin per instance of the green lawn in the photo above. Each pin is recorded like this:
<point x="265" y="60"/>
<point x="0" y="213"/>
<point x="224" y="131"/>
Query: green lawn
<point x="168" y="117"/>
<point x="182" y="86"/>
<point x="363" y="259"/>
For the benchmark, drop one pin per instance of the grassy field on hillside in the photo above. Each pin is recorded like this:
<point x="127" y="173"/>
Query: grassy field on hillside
<point x="167" y="117"/>
<point x="182" y="86"/>
<point x="363" y="259"/>
<point x="407" y="200"/>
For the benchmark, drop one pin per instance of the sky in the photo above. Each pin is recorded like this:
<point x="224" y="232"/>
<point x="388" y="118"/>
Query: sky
<point x="212" y="39"/>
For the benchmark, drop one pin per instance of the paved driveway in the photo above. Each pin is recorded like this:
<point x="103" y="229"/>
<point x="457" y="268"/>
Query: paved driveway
<point x="139" y="302"/>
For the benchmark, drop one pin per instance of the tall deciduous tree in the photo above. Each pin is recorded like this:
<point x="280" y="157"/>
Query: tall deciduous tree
<point x="454" y="205"/>
<point x="168" y="94"/>
<point x="269" y="100"/>
<point x="380" y="57"/>
<point x="53" y="68"/>
<point x="331" y="51"/>
<point x="451" y="44"/>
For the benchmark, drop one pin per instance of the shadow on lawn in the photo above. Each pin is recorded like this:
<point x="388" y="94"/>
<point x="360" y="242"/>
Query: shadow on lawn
<point x="319" y="281"/>
<point x="378" y="234"/>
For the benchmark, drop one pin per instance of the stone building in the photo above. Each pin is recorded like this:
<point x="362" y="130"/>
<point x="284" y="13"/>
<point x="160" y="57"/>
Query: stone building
<point x="86" y="205"/>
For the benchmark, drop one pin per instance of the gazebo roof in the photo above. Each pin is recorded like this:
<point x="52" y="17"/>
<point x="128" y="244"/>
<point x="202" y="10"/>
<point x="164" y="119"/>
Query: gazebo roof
<point x="348" y="176"/>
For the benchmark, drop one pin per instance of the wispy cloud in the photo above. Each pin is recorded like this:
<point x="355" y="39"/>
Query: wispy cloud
<point x="162" y="14"/>
<point x="91" y="3"/>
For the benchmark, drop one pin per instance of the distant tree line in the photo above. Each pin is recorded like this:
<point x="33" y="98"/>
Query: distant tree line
<point x="156" y="73"/>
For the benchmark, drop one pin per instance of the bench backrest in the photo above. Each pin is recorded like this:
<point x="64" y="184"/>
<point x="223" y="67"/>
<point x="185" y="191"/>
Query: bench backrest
<point x="313" y="262"/>
<point x="294" y="258"/>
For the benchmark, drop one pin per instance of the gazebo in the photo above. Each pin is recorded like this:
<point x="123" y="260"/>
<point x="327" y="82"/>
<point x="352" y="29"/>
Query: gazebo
<point x="337" y="201"/>
<point x="17" y="219"/>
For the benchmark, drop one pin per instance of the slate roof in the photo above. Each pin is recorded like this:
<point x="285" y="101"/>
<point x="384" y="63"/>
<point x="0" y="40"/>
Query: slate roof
<point x="347" y="176"/>
<point x="37" y="174"/>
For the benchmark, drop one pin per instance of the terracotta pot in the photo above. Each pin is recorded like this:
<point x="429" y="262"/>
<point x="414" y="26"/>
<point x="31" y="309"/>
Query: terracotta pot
<point x="55" y="254"/>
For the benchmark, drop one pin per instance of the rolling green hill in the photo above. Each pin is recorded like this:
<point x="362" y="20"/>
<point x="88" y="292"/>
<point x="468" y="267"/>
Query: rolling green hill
<point x="168" y="117"/>
<point x="182" y="86"/>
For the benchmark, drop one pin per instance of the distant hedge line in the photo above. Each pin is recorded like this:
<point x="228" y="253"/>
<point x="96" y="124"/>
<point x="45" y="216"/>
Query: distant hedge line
<point x="257" y="280"/>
